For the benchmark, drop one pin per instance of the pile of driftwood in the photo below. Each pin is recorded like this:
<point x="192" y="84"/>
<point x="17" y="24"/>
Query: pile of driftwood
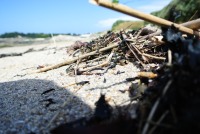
<point x="117" y="48"/>
<point x="143" y="46"/>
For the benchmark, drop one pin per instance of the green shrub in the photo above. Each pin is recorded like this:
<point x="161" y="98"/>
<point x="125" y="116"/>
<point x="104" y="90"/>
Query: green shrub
<point x="28" y="35"/>
<point x="189" y="10"/>
<point x="117" y="23"/>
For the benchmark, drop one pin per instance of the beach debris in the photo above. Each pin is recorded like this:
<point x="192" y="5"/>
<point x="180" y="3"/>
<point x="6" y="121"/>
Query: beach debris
<point x="111" y="49"/>
<point x="47" y="91"/>
<point x="10" y="54"/>
<point x="168" y="104"/>
<point x="167" y="87"/>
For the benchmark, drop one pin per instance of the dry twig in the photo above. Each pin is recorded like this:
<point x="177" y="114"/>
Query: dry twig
<point x="151" y="114"/>
<point x="158" y="122"/>
<point x="106" y="63"/>
<point x="147" y="55"/>
<point x="135" y="55"/>
<point x="75" y="59"/>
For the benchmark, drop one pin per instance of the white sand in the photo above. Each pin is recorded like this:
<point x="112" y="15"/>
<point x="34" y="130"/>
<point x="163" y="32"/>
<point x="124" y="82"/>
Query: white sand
<point x="22" y="103"/>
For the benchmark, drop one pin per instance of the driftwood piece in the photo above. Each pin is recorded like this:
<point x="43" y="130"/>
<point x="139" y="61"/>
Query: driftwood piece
<point x="150" y="75"/>
<point x="147" y="55"/>
<point x="67" y="62"/>
<point x="147" y="17"/>
<point x="136" y="56"/>
<point x="105" y="63"/>
<point x="194" y="24"/>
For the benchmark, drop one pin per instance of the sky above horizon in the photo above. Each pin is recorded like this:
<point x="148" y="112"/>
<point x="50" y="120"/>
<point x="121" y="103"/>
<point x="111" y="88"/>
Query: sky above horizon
<point x="65" y="16"/>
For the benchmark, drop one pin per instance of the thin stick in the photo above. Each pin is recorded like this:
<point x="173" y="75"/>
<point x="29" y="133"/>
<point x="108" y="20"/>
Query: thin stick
<point x="100" y="65"/>
<point x="93" y="67"/>
<point x="135" y="55"/>
<point x="104" y="56"/>
<point x="147" y="55"/>
<point x="151" y="35"/>
<point x="194" y="24"/>
<point x="193" y="15"/>
<point x="158" y="122"/>
<point x="154" y="57"/>
<point x="146" y="126"/>
<point x="75" y="52"/>
<point x="75" y="59"/>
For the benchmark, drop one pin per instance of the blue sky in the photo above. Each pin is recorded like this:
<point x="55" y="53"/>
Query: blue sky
<point x="65" y="16"/>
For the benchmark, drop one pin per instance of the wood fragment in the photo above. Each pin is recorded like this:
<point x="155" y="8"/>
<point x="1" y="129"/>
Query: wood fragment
<point x="97" y="59"/>
<point x="147" y="55"/>
<point x="150" y="75"/>
<point x="135" y="55"/>
<point x="106" y="63"/>
<point x="194" y="24"/>
<point x="67" y="62"/>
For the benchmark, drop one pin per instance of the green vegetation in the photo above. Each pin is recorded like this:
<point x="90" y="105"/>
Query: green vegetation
<point x="30" y="35"/>
<point x="120" y="24"/>
<point x="117" y="23"/>
<point x="115" y="1"/>
<point x="188" y="9"/>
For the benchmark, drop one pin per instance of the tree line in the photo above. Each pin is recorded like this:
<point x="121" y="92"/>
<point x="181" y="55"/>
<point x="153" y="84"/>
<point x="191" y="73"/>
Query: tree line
<point x="30" y="35"/>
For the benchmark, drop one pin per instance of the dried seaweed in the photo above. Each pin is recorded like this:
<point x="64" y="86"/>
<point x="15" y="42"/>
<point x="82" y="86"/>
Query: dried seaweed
<point x="180" y="84"/>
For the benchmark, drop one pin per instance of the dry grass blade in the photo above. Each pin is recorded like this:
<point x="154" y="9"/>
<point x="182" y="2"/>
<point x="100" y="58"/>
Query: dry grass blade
<point x="158" y="122"/>
<point x="151" y="114"/>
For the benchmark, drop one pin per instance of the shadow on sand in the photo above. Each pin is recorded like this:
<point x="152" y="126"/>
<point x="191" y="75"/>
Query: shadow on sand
<point x="29" y="105"/>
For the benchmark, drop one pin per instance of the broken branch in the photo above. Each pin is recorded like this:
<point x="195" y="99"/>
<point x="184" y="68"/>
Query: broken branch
<point x="75" y="59"/>
<point x="194" y="24"/>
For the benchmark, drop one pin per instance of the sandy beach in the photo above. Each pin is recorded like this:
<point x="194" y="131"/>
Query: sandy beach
<point x="30" y="102"/>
